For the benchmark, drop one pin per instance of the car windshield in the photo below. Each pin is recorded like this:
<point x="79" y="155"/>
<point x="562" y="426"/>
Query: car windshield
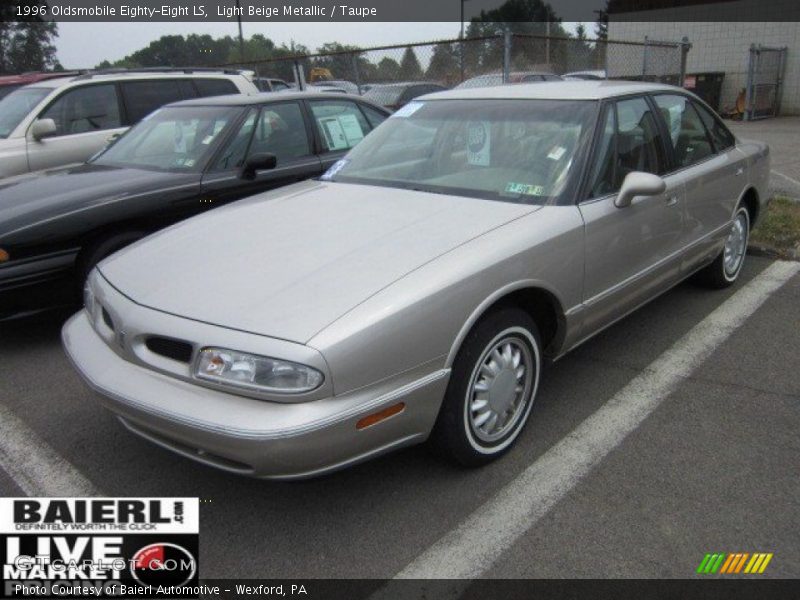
<point x="178" y="138"/>
<point x="17" y="105"/>
<point x="513" y="150"/>
<point x="5" y="90"/>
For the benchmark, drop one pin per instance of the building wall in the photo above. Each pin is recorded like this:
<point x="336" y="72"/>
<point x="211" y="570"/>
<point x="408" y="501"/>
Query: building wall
<point x="722" y="46"/>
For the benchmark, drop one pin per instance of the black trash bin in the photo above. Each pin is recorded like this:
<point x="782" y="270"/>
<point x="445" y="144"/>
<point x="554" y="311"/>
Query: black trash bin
<point x="706" y="85"/>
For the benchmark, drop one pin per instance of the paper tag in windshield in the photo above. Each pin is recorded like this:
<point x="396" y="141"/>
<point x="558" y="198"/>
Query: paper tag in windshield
<point x="524" y="189"/>
<point x="556" y="153"/>
<point x="408" y="110"/>
<point x="334" y="169"/>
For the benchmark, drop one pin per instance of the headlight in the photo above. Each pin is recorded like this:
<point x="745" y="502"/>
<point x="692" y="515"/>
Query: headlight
<point x="88" y="297"/>
<point x="251" y="371"/>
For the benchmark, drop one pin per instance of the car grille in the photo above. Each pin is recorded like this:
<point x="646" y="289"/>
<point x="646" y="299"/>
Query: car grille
<point x="170" y="348"/>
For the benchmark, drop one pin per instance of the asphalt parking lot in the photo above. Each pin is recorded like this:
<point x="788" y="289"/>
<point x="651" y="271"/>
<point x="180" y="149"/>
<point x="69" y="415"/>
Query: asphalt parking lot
<point x="781" y="135"/>
<point x="711" y="467"/>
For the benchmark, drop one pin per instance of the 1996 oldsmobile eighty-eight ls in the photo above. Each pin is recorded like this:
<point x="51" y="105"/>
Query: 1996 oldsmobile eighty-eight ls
<point x="416" y="289"/>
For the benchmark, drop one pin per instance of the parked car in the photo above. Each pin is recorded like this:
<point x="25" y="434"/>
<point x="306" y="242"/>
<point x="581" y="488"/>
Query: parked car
<point x="585" y="75"/>
<point x="271" y="84"/>
<point x="65" y="120"/>
<point x="395" y="95"/>
<point x="181" y="160"/>
<point x="492" y="79"/>
<point x="9" y="83"/>
<point x="347" y="86"/>
<point x="415" y="291"/>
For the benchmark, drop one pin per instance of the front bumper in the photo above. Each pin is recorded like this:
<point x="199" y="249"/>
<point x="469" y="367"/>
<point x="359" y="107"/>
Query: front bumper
<point x="247" y="435"/>
<point x="33" y="285"/>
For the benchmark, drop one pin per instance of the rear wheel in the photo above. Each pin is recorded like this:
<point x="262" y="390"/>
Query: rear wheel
<point x="725" y="269"/>
<point x="494" y="381"/>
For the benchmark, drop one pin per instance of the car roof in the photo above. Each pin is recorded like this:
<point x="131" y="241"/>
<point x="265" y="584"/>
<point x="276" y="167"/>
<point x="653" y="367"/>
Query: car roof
<point x="555" y="90"/>
<point x="90" y="77"/>
<point x="262" y="98"/>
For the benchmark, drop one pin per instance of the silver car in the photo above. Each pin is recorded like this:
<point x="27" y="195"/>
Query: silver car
<point x="66" y="120"/>
<point x="416" y="290"/>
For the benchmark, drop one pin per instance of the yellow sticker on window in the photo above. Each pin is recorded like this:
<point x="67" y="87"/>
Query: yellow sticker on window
<point x="524" y="189"/>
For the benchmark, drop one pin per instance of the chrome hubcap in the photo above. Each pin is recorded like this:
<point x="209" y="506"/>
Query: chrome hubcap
<point x="500" y="389"/>
<point x="735" y="245"/>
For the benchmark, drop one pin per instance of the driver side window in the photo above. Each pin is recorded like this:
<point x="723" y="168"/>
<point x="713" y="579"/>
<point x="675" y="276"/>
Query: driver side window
<point x="630" y="141"/>
<point x="85" y="109"/>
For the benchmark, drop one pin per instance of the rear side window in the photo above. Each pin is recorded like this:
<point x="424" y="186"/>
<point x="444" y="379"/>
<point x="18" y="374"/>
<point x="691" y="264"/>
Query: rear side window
<point x="143" y="97"/>
<point x="281" y="131"/>
<point x="340" y="123"/>
<point x="687" y="134"/>
<point x="215" y="87"/>
<point x="85" y="109"/>
<point x="720" y="135"/>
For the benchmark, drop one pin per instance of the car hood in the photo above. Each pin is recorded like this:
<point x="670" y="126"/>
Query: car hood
<point x="26" y="200"/>
<point x="286" y="264"/>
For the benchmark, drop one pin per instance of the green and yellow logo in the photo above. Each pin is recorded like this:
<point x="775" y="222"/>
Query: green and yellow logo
<point x="733" y="563"/>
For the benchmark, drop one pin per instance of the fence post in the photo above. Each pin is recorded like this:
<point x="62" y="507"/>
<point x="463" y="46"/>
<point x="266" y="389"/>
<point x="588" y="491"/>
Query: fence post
<point x="354" y="59"/>
<point x="685" y="47"/>
<point x="506" y="55"/>
<point x="299" y="75"/>
<point x="644" y="59"/>
<point x="779" y="86"/>
<point x="748" y="93"/>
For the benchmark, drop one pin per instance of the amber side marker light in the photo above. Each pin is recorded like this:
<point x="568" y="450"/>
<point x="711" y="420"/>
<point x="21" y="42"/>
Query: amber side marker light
<point x="4" y="257"/>
<point x="377" y="417"/>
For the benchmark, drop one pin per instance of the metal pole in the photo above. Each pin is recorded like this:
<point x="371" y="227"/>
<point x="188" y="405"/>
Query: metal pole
<point x="644" y="60"/>
<point x="241" y="38"/>
<point x="354" y="59"/>
<point x="506" y="55"/>
<point x="547" y="42"/>
<point x="685" y="47"/>
<point x="748" y="94"/>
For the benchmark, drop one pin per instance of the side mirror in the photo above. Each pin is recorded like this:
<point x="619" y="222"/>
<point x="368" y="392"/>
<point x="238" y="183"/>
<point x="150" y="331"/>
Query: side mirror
<point x="43" y="128"/>
<point x="639" y="184"/>
<point x="258" y="162"/>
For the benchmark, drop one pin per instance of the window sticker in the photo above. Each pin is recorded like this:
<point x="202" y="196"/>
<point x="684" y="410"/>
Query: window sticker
<point x="334" y="169"/>
<point x="524" y="189"/>
<point x="478" y="143"/>
<point x="556" y="153"/>
<point x="352" y="129"/>
<point x="408" y="110"/>
<point x="334" y="133"/>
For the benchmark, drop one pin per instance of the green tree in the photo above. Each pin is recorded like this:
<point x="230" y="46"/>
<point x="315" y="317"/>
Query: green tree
<point x="444" y="65"/>
<point x="410" y="69"/>
<point x="26" y="45"/>
<point x="388" y="69"/>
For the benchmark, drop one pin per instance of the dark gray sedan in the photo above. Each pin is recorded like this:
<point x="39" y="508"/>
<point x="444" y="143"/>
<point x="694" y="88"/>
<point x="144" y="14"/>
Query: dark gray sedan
<point x="180" y="161"/>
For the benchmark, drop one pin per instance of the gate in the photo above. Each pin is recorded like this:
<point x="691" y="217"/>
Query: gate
<point x="764" y="82"/>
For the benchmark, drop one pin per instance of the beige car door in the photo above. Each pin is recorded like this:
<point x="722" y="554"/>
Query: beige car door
<point x="86" y="117"/>
<point x="632" y="253"/>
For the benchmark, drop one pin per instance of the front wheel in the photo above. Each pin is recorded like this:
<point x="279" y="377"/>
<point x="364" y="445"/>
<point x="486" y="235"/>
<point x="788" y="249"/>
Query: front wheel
<point x="725" y="269"/>
<point x="492" y="387"/>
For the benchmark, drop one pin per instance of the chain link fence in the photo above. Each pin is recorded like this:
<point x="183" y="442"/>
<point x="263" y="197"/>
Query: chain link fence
<point x="493" y="60"/>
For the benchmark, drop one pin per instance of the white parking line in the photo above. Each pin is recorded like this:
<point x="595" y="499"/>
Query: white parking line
<point x="470" y="550"/>
<point x="34" y="466"/>
<point x="786" y="177"/>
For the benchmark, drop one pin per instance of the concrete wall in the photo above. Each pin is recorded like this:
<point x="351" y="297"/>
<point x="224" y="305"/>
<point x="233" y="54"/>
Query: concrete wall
<point x="722" y="46"/>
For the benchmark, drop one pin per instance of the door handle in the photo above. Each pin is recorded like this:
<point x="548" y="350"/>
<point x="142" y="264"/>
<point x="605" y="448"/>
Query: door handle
<point x="739" y="171"/>
<point x="672" y="200"/>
